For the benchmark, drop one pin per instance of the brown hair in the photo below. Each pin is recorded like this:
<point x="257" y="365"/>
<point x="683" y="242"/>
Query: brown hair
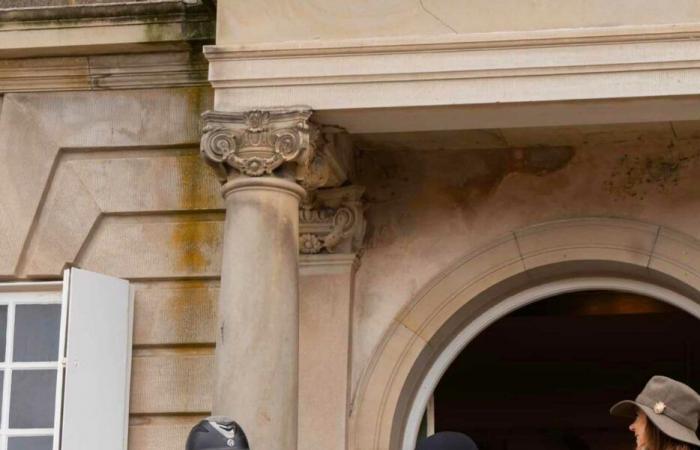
<point x="657" y="440"/>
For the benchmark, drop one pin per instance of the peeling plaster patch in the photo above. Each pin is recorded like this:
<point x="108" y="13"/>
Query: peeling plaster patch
<point x="638" y="175"/>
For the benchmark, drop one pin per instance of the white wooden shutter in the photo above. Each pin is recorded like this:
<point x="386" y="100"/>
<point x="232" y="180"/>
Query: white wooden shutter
<point x="98" y="362"/>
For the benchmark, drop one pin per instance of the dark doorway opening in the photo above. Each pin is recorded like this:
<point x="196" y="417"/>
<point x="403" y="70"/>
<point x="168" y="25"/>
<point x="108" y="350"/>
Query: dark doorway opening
<point x="545" y="376"/>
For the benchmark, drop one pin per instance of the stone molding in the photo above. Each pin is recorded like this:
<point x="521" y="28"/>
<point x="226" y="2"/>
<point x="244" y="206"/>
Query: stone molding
<point x="328" y="263"/>
<point x="102" y="72"/>
<point x="48" y="10"/>
<point x="404" y="83"/>
<point x="104" y="28"/>
<point x="275" y="142"/>
<point x="332" y="221"/>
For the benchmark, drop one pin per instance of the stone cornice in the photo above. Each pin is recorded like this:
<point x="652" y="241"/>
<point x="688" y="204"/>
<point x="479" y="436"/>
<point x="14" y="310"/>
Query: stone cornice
<point x="106" y="28"/>
<point x="464" y="41"/>
<point x="344" y="81"/>
<point x="22" y="11"/>
<point x="83" y="73"/>
<point x="257" y="143"/>
<point x="332" y="221"/>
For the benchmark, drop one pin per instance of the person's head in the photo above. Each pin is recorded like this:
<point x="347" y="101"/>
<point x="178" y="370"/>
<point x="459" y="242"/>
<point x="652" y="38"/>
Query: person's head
<point x="665" y="415"/>
<point x="217" y="433"/>
<point x="649" y="437"/>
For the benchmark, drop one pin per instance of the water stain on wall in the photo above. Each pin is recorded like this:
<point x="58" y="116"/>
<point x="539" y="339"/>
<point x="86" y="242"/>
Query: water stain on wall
<point x="194" y="238"/>
<point x="401" y="184"/>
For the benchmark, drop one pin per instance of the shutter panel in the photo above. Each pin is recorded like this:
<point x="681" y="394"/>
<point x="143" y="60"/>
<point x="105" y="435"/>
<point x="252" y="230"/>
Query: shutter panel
<point x="98" y="363"/>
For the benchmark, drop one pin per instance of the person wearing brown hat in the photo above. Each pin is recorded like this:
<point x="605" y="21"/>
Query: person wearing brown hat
<point x="666" y="415"/>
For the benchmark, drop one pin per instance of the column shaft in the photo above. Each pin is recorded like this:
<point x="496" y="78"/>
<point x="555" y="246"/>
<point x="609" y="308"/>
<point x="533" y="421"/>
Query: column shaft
<point x="256" y="373"/>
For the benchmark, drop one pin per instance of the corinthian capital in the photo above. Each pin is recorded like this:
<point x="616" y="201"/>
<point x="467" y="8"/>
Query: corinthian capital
<point x="257" y="143"/>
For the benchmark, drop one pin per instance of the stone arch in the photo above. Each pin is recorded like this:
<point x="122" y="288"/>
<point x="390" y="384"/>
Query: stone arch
<point x="617" y="252"/>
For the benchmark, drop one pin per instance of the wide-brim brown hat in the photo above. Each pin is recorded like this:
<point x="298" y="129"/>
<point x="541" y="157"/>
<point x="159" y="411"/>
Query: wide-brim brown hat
<point x="671" y="405"/>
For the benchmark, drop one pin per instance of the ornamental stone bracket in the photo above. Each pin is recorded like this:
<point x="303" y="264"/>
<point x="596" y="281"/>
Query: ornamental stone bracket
<point x="276" y="142"/>
<point x="332" y="221"/>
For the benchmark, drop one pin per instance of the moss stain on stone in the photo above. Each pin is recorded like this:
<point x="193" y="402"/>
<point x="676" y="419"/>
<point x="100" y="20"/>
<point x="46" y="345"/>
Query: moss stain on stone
<point x="639" y="175"/>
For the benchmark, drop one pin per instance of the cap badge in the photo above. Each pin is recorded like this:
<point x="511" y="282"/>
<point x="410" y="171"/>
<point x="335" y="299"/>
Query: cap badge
<point x="230" y="443"/>
<point x="659" y="407"/>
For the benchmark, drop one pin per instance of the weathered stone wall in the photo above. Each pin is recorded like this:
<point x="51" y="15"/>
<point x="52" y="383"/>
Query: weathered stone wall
<point x="113" y="182"/>
<point x="433" y="198"/>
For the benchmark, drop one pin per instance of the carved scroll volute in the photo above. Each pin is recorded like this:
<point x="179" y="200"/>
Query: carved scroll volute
<point x="332" y="221"/>
<point x="257" y="143"/>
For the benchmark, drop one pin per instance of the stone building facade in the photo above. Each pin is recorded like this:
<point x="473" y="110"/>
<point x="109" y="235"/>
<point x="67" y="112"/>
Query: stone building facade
<point x="318" y="204"/>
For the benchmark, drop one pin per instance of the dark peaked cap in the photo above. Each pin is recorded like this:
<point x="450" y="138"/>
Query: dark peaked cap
<point x="447" y="440"/>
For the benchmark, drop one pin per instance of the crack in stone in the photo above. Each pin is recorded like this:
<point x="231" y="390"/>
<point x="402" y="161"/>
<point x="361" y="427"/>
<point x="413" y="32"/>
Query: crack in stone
<point x="435" y="17"/>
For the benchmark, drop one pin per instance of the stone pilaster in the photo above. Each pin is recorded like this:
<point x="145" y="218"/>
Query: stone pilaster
<point x="268" y="163"/>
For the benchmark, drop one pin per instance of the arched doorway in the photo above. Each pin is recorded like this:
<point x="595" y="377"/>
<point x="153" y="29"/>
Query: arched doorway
<point x="544" y="376"/>
<point x="555" y="291"/>
<point x="529" y="265"/>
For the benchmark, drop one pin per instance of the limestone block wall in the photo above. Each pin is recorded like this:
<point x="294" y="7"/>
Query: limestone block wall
<point x="112" y="182"/>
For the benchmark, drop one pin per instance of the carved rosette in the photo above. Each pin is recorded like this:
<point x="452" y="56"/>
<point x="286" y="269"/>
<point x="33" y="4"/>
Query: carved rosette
<point x="258" y="143"/>
<point x="332" y="221"/>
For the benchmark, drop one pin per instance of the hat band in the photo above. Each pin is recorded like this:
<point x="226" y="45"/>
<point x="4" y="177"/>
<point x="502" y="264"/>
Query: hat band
<point x="668" y="411"/>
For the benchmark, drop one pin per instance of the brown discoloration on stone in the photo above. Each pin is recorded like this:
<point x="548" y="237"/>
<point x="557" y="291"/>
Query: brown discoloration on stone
<point x="187" y="236"/>
<point x="195" y="182"/>
<point x="198" y="99"/>
<point x="192" y="240"/>
<point x="459" y="179"/>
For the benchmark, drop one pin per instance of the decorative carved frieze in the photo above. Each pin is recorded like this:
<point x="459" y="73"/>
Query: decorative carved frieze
<point x="257" y="143"/>
<point x="332" y="221"/>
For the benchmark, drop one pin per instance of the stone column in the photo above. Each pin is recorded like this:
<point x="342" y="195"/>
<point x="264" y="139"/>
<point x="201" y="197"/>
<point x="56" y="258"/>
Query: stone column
<point x="266" y="161"/>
